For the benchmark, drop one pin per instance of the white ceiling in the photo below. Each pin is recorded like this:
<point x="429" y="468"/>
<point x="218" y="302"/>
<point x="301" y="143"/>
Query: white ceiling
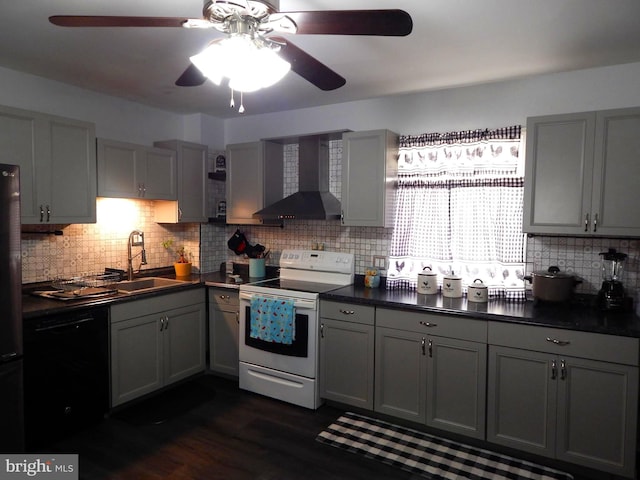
<point x="453" y="43"/>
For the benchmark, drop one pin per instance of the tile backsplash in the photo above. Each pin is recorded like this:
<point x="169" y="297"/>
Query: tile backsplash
<point x="92" y="247"/>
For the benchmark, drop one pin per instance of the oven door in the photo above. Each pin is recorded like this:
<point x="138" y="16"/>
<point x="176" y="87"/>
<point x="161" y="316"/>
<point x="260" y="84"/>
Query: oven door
<point x="298" y="358"/>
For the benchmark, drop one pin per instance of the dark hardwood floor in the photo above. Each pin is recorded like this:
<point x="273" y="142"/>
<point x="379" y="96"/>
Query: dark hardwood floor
<point x="222" y="433"/>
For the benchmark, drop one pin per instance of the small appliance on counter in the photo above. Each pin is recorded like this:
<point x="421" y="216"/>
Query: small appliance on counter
<point x="612" y="295"/>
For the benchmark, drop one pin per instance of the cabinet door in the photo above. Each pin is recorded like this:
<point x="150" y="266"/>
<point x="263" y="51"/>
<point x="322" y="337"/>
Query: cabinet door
<point x="251" y="185"/>
<point x="369" y="169"/>
<point x="400" y="374"/>
<point x="118" y="171"/>
<point x="184" y="342"/>
<point x="136" y="358"/>
<point x="346" y="362"/>
<point x="223" y="341"/>
<point x="192" y="183"/>
<point x="456" y="386"/>
<point x="157" y="169"/>
<point x="616" y="198"/>
<point x="20" y="146"/>
<point x="558" y="173"/>
<point x="521" y="399"/>
<point x="72" y="183"/>
<point x="597" y="414"/>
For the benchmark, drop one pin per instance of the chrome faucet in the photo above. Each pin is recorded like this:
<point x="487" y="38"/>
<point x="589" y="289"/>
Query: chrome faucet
<point x="132" y="242"/>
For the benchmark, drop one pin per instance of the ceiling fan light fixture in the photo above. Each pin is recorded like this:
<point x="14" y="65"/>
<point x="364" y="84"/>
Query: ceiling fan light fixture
<point x="249" y="64"/>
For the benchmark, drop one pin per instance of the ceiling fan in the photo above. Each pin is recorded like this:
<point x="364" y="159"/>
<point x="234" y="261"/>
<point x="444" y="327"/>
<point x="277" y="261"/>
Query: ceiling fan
<point x="257" y="19"/>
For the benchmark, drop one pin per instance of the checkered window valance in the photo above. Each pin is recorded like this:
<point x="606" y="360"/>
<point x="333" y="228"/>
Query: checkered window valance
<point x="459" y="209"/>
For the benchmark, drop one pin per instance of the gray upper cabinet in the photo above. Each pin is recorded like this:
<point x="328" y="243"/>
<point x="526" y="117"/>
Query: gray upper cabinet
<point x="254" y="179"/>
<point x="347" y="353"/>
<point x="127" y="170"/>
<point x="369" y="175"/>
<point x="581" y="174"/>
<point x="564" y="394"/>
<point x="192" y="205"/>
<point x="57" y="162"/>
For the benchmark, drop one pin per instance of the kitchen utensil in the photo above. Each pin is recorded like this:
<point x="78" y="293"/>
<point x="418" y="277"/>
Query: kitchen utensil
<point x="257" y="268"/>
<point x="552" y="285"/>
<point x="612" y="295"/>
<point x="477" y="291"/>
<point x="427" y="281"/>
<point x="452" y="286"/>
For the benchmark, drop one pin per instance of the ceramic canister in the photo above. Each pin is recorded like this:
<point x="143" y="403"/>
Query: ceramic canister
<point x="452" y="286"/>
<point x="427" y="282"/>
<point x="477" y="291"/>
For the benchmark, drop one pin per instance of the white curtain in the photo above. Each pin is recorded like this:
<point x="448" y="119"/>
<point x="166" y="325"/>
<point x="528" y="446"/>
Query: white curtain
<point x="459" y="210"/>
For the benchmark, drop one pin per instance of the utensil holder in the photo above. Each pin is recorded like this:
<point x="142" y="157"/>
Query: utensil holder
<point x="257" y="268"/>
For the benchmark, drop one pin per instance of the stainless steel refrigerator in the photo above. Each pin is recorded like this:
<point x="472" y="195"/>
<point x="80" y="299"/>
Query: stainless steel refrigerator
<point x="11" y="381"/>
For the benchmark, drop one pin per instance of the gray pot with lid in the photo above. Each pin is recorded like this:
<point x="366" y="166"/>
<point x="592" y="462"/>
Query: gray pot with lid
<point x="552" y="285"/>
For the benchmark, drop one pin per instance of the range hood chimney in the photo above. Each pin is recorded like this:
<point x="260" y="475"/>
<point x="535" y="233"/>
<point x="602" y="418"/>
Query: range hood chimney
<point x="313" y="201"/>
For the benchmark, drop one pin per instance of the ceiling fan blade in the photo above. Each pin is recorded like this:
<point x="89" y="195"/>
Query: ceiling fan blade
<point x="191" y="77"/>
<point x="115" y="21"/>
<point x="308" y="67"/>
<point x="395" y="23"/>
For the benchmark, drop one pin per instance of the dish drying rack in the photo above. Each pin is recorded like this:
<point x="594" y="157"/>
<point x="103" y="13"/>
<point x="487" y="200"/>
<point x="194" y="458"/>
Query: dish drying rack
<point x="84" y="286"/>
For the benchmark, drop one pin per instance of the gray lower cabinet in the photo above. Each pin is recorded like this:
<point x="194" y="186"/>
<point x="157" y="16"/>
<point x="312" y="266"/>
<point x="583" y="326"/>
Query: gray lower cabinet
<point x="155" y="342"/>
<point x="223" y="331"/>
<point x="347" y="353"/>
<point x="431" y="369"/>
<point x="564" y="394"/>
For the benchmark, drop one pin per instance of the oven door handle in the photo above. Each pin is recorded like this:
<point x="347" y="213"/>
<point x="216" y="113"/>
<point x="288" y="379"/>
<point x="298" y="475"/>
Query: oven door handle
<point x="299" y="304"/>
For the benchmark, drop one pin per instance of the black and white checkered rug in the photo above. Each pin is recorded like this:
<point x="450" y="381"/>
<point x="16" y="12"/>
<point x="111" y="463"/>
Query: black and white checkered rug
<point x="427" y="455"/>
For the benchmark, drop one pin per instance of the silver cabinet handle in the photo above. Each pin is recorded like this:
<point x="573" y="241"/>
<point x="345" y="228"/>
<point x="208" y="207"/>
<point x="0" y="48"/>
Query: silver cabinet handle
<point x="322" y="330"/>
<point x="563" y="370"/>
<point x="586" y="222"/>
<point x="225" y="297"/>
<point x="595" y="223"/>
<point x="342" y="216"/>
<point x="430" y="348"/>
<point x="41" y="214"/>
<point x="48" y="213"/>
<point x="179" y="213"/>
<point x="238" y="318"/>
<point x="161" y="324"/>
<point x="347" y="312"/>
<point x="554" y="369"/>
<point x="423" y="344"/>
<point x="166" y="323"/>
<point x="562" y="343"/>
<point x="428" y="324"/>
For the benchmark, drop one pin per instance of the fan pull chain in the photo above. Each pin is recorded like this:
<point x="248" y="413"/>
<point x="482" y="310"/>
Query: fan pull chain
<point x="241" y="109"/>
<point x="232" y="104"/>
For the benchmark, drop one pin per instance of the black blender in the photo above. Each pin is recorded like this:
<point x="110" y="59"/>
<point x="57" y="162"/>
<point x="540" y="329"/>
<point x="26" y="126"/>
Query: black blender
<point x="611" y="295"/>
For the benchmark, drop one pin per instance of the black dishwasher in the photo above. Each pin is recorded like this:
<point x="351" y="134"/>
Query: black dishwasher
<point x="66" y="374"/>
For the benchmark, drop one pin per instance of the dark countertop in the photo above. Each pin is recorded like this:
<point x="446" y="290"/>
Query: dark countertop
<point x="578" y="315"/>
<point x="573" y="316"/>
<point x="34" y="306"/>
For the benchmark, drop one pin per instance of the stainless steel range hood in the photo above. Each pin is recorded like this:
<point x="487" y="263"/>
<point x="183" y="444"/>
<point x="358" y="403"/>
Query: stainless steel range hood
<point x="313" y="201"/>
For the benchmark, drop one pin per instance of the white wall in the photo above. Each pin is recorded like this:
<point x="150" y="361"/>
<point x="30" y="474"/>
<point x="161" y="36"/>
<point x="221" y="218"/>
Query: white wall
<point x="114" y="118"/>
<point x="490" y="105"/>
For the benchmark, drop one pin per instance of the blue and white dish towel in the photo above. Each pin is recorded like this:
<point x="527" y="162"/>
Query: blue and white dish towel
<point x="272" y="320"/>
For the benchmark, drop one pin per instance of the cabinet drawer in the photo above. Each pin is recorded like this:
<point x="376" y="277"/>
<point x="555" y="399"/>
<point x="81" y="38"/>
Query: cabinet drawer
<point x="223" y="297"/>
<point x="161" y="303"/>
<point x="442" y="325"/>
<point x="348" y="312"/>
<point x="595" y="346"/>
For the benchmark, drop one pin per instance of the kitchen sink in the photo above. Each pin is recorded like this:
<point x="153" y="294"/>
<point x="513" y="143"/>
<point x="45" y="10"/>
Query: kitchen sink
<point x="147" y="284"/>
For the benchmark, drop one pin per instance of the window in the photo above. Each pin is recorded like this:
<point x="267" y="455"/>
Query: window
<point x="459" y="209"/>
